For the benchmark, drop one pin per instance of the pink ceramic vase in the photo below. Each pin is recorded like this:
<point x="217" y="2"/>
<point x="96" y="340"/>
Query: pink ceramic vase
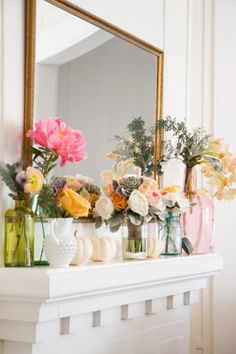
<point x="198" y="221"/>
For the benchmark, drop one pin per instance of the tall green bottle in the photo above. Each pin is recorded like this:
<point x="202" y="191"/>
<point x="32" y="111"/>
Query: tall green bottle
<point x="19" y="236"/>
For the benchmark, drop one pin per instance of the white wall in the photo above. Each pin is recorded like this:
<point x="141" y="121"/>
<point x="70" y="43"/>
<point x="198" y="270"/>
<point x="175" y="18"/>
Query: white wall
<point x="11" y="90"/>
<point x="224" y="299"/>
<point x="46" y="90"/>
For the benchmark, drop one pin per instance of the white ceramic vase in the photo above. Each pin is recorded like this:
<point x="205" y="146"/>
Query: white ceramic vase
<point x="60" y="244"/>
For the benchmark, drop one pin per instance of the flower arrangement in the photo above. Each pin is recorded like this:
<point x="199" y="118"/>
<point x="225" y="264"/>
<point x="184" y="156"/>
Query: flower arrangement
<point x="199" y="148"/>
<point x="19" y="222"/>
<point x="137" y="199"/>
<point x="69" y="197"/>
<point x="54" y="140"/>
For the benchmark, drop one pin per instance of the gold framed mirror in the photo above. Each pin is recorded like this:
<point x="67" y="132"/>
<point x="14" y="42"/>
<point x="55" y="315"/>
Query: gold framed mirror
<point x="117" y="34"/>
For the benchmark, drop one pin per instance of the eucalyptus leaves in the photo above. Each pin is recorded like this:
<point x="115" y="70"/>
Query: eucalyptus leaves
<point x="137" y="146"/>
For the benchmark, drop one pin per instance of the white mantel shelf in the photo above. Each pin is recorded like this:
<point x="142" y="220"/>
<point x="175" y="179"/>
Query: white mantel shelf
<point x="41" y="307"/>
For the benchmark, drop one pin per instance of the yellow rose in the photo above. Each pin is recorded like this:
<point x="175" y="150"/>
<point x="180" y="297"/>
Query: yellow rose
<point x="73" y="203"/>
<point x="172" y="189"/>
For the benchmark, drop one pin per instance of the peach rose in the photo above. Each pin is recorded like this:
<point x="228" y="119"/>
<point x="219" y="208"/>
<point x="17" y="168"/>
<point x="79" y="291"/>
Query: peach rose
<point x="32" y="179"/>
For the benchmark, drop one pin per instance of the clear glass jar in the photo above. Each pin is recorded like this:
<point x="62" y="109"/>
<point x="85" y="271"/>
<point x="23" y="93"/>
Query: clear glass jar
<point x="19" y="236"/>
<point x="171" y="235"/>
<point x="134" y="241"/>
<point x="41" y="229"/>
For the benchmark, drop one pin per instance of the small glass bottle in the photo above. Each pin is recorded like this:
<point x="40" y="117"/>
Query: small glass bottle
<point x="19" y="236"/>
<point x="171" y="235"/>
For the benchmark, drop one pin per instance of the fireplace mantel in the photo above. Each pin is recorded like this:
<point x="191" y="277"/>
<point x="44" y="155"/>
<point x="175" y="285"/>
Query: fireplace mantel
<point x="102" y="308"/>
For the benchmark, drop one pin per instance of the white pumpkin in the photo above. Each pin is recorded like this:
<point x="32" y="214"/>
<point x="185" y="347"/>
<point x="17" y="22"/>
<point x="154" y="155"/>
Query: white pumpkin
<point x="104" y="249"/>
<point x="154" y="247"/>
<point x="84" y="250"/>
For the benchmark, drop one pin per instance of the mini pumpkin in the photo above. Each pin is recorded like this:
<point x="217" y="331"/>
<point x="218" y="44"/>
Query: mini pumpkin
<point x="154" y="247"/>
<point x="84" y="250"/>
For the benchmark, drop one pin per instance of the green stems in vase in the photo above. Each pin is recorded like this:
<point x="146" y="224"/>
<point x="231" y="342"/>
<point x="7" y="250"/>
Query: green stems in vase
<point x="19" y="236"/>
<point x="171" y="235"/>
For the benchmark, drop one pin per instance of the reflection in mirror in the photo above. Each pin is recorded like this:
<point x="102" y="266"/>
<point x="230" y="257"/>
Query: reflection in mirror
<point x="95" y="81"/>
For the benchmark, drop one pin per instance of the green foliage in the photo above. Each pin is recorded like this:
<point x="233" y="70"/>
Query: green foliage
<point x="44" y="159"/>
<point x="98" y="222"/>
<point x="135" y="218"/>
<point x="92" y="189"/>
<point x="115" y="221"/>
<point x="138" y="146"/>
<point x="181" y="144"/>
<point x="9" y="176"/>
<point x="47" y="205"/>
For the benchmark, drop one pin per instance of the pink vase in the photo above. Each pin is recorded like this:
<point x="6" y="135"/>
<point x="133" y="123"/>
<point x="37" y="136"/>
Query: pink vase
<point x="198" y="221"/>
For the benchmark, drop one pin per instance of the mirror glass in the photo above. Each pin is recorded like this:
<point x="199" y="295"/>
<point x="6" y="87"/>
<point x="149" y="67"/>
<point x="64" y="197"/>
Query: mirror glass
<point x="94" y="81"/>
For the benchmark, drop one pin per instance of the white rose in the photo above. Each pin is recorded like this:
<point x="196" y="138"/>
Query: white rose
<point x="104" y="207"/>
<point x="183" y="203"/>
<point x="138" y="203"/>
<point x="174" y="199"/>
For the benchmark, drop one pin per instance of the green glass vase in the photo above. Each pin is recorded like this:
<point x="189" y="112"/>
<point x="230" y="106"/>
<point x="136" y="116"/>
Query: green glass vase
<point x="19" y="236"/>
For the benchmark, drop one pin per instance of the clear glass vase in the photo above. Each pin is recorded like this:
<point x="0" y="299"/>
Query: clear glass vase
<point x="19" y="236"/>
<point x="134" y="241"/>
<point x="198" y="221"/>
<point x="41" y="229"/>
<point x="171" y="235"/>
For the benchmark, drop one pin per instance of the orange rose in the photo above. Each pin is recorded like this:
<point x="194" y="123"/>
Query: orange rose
<point x="120" y="203"/>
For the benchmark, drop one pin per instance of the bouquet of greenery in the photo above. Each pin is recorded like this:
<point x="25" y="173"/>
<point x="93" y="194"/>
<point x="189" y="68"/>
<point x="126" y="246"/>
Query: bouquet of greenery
<point x="137" y="148"/>
<point x="199" y="148"/>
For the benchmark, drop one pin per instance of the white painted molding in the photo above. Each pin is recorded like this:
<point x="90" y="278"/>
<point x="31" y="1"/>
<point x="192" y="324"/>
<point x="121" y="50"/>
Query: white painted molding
<point x="53" y="284"/>
<point x="42" y="310"/>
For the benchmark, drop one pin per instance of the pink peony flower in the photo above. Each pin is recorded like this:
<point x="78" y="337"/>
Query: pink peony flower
<point x="63" y="141"/>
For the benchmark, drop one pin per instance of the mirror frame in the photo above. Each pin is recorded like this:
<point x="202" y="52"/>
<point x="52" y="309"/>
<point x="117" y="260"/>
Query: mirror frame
<point x="29" y="76"/>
